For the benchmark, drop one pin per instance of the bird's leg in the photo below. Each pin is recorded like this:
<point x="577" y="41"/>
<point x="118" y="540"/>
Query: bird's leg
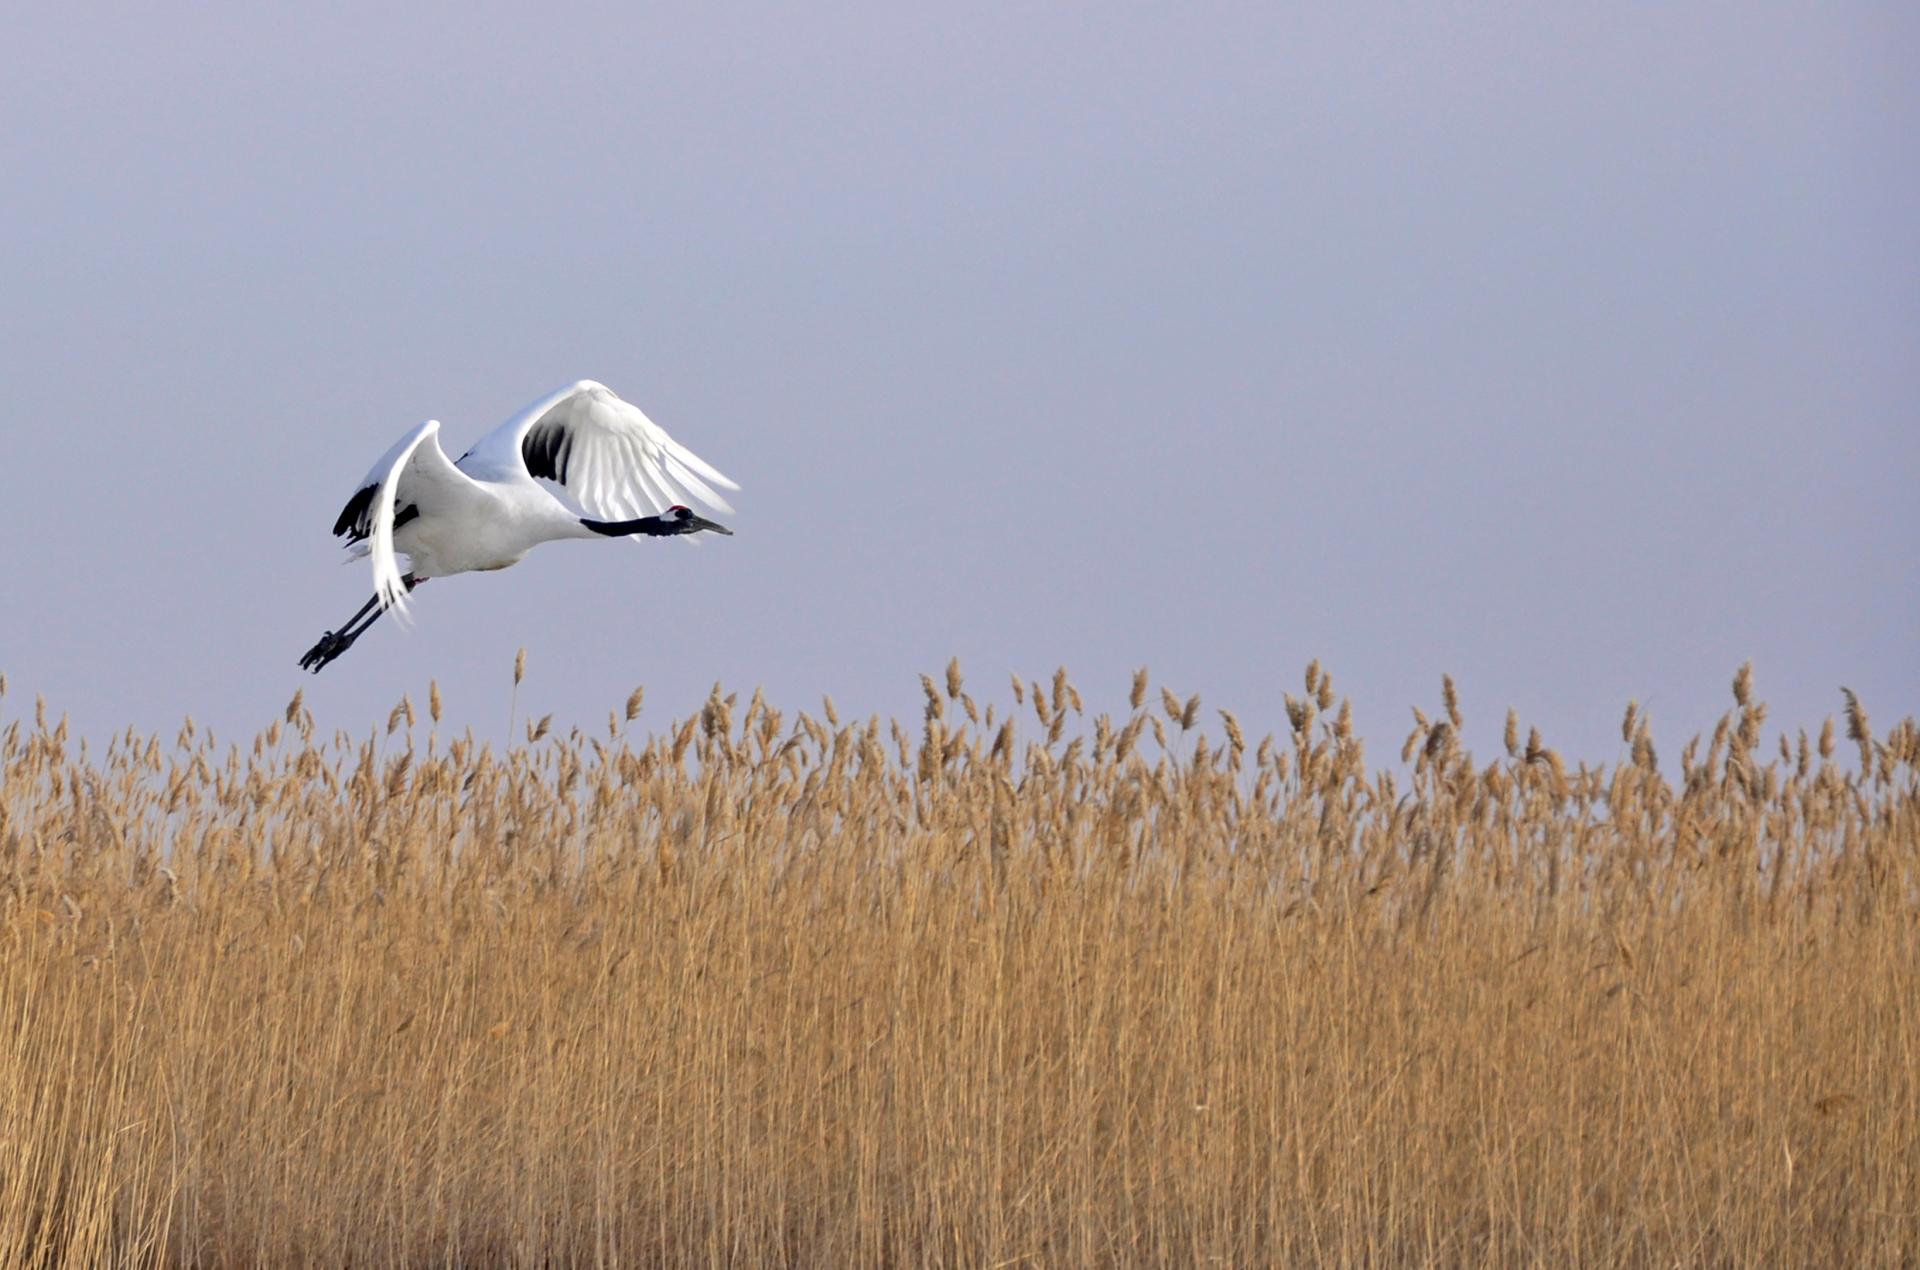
<point x="334" y="643"/>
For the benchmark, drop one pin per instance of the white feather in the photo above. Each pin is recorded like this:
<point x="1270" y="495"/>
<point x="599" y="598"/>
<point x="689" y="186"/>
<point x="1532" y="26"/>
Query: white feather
<point x="621" y="464"/>
<point x="387" y="583"/>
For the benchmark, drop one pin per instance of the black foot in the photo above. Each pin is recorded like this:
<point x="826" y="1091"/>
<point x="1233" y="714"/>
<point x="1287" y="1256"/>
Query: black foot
<point x="331" y="645"/>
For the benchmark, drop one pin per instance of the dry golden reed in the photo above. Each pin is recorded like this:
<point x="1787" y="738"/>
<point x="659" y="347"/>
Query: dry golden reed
<point x="765" y="989"/>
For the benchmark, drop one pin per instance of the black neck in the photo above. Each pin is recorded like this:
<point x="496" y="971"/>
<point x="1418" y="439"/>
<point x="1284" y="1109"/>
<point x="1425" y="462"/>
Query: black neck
<point x="657" y="526"/>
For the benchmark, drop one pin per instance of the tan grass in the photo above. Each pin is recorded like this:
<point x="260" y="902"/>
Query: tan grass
<point x="770" y="990"/>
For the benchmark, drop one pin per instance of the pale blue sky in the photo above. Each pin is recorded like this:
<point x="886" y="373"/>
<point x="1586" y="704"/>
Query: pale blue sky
<point x="1572" y="353"/>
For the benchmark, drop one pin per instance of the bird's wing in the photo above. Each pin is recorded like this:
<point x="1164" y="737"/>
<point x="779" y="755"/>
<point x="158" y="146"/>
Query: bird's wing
<point x="414" y="478"/>
<point x="601" y="454"/>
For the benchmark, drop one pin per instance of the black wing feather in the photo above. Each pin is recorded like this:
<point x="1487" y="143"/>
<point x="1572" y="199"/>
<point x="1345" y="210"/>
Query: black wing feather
<point x="546" y="449"/>
<point x="356" y="518"/>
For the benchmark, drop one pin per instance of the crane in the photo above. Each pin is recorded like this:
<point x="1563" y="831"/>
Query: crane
<point x="578" y="463"/>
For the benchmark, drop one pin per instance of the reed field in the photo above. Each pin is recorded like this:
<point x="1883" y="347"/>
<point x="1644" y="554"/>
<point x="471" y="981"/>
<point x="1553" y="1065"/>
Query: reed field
<point x="1007" y="985"/>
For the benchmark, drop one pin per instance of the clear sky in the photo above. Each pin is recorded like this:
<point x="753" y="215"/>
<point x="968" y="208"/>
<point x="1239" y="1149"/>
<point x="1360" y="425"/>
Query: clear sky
<point x="1575" y="353"/>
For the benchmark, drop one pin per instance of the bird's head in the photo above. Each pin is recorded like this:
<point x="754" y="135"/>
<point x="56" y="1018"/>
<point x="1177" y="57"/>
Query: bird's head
<point x="692" y="524"/>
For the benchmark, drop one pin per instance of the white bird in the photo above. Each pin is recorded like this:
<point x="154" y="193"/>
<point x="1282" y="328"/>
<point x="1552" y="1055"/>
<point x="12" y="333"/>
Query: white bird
<point x="578" y="463"/>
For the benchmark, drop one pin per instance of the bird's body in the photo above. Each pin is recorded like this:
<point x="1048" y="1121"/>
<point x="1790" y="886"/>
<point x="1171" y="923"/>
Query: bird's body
<point x="481" y="524"/>
<point x="507" y="522"/>
<point x="578" y="463"/>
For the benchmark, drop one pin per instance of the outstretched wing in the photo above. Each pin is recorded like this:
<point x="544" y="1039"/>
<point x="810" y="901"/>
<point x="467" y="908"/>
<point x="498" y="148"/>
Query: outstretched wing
<point x="414" y="478"/>
<point x="603" y="454"/>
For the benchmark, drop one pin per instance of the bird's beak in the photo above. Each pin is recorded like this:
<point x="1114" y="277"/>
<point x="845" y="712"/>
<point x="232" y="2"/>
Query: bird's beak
<point x="700" y="522"/>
